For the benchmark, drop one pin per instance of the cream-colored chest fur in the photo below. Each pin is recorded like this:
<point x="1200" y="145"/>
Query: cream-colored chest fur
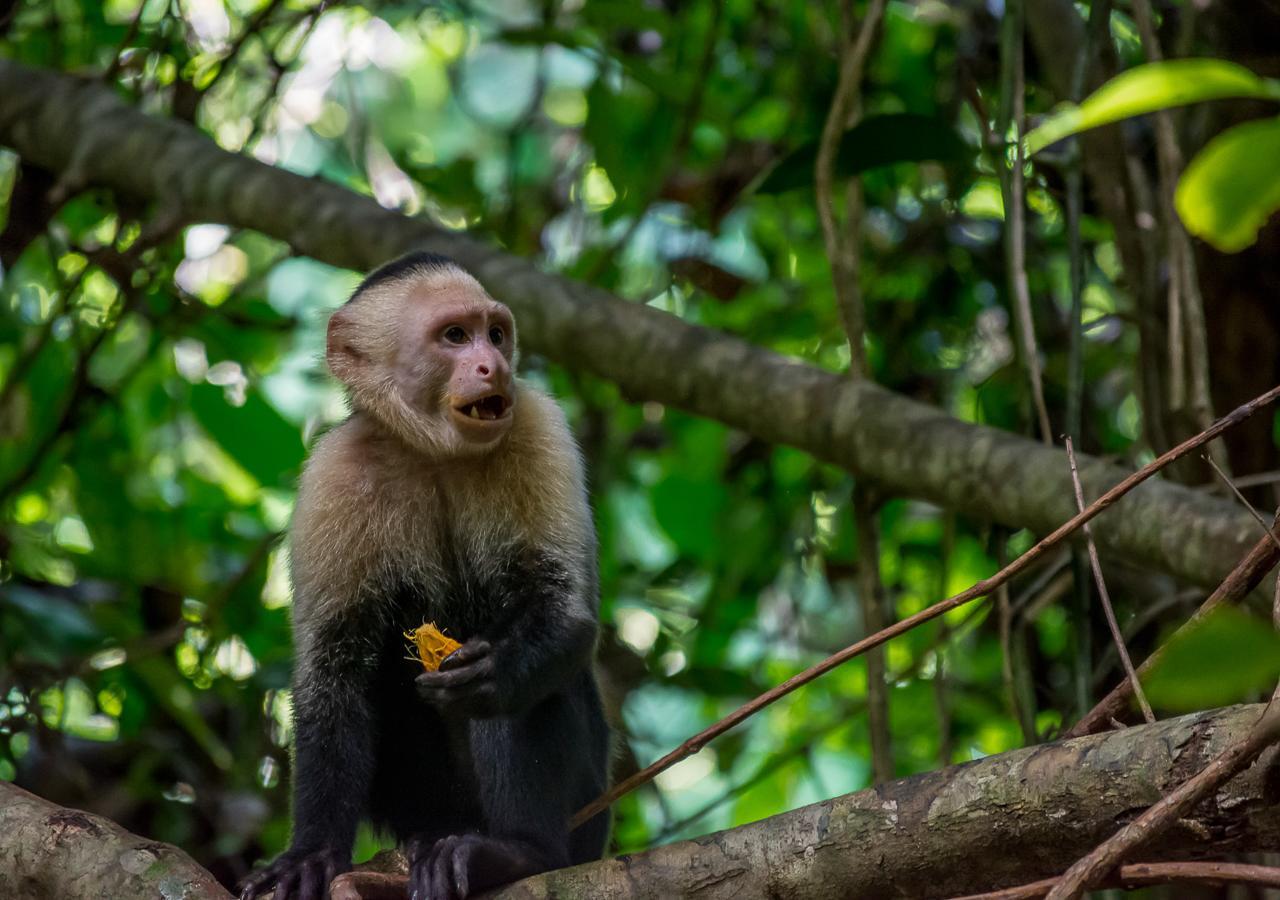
<point x="370" y="505"/>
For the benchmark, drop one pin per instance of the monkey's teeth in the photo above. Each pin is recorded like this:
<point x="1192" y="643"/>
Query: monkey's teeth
<point x="475" y="413"/>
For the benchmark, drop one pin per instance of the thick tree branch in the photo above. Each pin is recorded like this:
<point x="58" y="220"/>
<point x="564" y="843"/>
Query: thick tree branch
<point x="84" y="132"/>
<point x="50" y="851"/>
<point x="1019" y="812"/>
<point x="1180" y="802"/>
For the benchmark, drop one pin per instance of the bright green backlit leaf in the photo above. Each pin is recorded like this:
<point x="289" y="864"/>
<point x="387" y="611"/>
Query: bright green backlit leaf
<point x="255" y="435"/>
<point x="1219" y="660"/>
<point x="875" y="141"/>
<point x="1147" y="88"/>
<point x="1232" y="186"/>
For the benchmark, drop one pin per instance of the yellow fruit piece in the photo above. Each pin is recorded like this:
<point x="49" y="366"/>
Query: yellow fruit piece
<point x="433" y="645"/>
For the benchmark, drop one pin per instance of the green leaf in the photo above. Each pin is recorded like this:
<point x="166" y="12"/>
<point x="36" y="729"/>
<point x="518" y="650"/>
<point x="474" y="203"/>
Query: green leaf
<point x="1222" y="659"/>
<point x="1151" y="87"/>
<point x="875" y="141"/>
<point x="255" y="435"/>
<point x="1232" y="186"/>
<point x="689" y="509"/>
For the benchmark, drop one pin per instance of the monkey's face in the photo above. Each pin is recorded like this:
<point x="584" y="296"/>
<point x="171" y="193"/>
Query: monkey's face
<point x="431" y="357"/>
<point x="453" y="363"/>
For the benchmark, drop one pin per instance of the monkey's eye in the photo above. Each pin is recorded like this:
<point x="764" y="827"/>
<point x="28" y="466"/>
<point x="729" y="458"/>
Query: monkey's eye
<point x="455" y="335"/>
<point x="496" y="336"/>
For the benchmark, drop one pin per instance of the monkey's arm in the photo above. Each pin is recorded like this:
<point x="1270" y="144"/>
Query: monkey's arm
<point x="333" y="757"/>
<point x="546" y="637"/>
<point x="333" y="734"/>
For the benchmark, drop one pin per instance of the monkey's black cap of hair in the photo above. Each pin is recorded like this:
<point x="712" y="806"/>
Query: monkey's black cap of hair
<point x="403" y="267"/>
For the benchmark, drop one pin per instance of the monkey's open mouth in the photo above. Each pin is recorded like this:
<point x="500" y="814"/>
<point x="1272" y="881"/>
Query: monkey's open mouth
<point x="488" y="408"/>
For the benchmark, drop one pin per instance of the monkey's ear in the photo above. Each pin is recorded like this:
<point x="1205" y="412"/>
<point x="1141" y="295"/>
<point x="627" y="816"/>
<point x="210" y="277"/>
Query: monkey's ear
<point x="345" y="359"/>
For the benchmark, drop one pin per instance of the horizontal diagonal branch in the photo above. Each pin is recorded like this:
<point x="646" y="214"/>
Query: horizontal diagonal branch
<point x="1025" y="814"/>
<point x="90" y="137"/>
<point x="48" y="850"/>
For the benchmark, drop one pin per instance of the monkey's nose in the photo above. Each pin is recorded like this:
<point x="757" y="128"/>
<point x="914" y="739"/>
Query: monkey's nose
<point x="482" y="369"/>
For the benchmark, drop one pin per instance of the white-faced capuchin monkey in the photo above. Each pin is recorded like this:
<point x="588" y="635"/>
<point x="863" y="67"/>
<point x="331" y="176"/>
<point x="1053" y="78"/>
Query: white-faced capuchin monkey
<point x="454" y="494"/>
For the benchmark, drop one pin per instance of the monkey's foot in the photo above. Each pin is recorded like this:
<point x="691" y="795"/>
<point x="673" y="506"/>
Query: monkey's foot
<point x="297" y="875"/>
<point x="458" y="865"/>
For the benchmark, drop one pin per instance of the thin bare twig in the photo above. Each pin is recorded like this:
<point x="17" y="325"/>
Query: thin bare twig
<point x="1004" y="621"/>
<point x="1174" y="806"/>
<point x="805" y="741"/>
<point x="941" y="698"/>
<point x="981" y="589"/>
<point x="842" y="249"/>
<point x="1257" y="479"/>
<point x="1188" y="341"/>
<point x="1012" y="113"/>
<point x="1257" y="517"/>
<point x="30" y="353"/>
<point x="1105" y="596"/>
<point x="280" y="67"/>
<point x="1149" y="874"/>
<point x="76" y="395"/>
<point x="130" y="33"/>
<point x="1081" y="630"/>
<point x="251" y="28"/>
<point x="1246" y="576"/>
<point x="1275" y="601"/>
<point x="872" y="603"/>
<point x="843" y="256"/>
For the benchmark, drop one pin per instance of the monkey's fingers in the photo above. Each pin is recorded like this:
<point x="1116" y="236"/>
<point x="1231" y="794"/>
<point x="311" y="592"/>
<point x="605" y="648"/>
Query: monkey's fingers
<point x="420" y="874"/>
<point x="461" y="859"/>
<point x="286" y="884"/>
<point x="468" y="652"/>
<point x="313" y="885"/>
<point x="258" y="884"/>
<point x="443" y="881"/>
<point x="456" y="677"/>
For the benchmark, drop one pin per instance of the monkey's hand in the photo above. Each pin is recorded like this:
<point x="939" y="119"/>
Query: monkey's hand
<point x="297" y="875"/>
<point x="458" y="866"/>
<point x="466" y="683"/>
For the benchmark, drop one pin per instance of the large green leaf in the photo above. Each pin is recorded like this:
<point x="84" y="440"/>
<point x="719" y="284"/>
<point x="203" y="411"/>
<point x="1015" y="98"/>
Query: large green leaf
<point x="1151" y="87"/>
<point x="1232" y="186"/>
<point x="1222" y="659"/>
<point x="875" y="141"/>
<point x="255" y="435"/>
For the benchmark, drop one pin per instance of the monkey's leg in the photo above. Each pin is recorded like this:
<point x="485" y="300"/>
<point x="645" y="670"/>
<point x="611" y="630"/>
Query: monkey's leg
<point x="448" y="810"/>
<point x="588" y="841"/>
<point x="527" y="771"/>
<point x="333" y="764"/>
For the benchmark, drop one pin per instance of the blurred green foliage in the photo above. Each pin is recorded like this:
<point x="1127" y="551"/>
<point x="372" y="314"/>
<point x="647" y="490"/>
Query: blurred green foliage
<point x="1230" y="189"/>
<point x="158" y="388"/>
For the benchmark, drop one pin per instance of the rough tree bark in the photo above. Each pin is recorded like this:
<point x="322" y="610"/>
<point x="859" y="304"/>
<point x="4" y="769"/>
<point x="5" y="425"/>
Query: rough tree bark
<point x="1026" y="814"/>
<point x="82" y="131"/>
<point x="49" y="852"/>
